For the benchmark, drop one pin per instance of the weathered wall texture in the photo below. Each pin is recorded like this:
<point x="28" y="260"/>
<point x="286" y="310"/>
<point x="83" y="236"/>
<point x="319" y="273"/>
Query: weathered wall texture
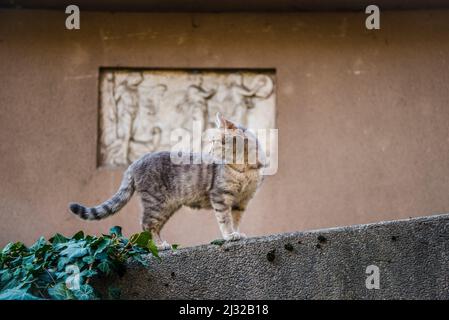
<point x="363" y="116"/>
<point x="411" y="256"/>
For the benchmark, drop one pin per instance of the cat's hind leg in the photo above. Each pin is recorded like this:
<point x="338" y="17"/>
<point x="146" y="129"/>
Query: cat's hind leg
<point x="154" y="217"/>
<point x="153" y="225"/>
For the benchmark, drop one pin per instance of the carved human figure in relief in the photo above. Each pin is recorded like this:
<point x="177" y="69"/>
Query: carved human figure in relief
<point x="127" y="101"/>
<point x="242" y="96"/>
<point x="194" y="105"/>
<point x="146" y="133"/>
<point x="235" y="99"/>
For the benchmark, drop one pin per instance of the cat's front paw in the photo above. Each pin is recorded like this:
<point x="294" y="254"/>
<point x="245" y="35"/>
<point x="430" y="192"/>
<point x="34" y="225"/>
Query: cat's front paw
<point x="163" y="246"/>
<point x="234" y="236"/>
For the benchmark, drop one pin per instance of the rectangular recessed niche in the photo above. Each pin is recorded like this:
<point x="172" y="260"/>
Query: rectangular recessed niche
<point x="139" y="108"/>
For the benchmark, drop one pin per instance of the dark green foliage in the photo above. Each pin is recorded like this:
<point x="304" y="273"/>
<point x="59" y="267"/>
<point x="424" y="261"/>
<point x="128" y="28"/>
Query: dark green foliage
<point x="62" y="268"/>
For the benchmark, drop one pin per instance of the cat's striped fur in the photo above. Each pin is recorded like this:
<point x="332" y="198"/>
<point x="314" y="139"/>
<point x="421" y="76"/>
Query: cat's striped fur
<point x="164" y="187"/>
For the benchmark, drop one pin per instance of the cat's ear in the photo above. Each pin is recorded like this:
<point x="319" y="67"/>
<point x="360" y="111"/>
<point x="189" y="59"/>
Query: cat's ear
<point x="223" y="123"/>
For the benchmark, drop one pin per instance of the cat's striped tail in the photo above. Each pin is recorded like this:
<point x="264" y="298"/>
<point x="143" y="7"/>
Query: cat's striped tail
<point x="109" y="207"/>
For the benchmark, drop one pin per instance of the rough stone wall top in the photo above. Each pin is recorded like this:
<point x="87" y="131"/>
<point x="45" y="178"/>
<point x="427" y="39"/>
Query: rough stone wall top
<point x="412" y="257"/>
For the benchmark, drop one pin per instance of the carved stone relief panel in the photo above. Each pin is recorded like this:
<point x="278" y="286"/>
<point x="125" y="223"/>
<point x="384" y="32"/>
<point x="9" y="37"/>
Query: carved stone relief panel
<point x="140" y="108"/>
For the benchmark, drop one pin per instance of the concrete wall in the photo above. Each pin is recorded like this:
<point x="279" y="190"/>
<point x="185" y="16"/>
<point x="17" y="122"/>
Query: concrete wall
<point x="362" y="115"/>
<point x="411" y="257"/>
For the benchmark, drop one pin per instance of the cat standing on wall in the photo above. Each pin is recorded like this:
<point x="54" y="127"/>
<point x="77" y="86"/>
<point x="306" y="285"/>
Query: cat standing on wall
<point x="225" y="184"/>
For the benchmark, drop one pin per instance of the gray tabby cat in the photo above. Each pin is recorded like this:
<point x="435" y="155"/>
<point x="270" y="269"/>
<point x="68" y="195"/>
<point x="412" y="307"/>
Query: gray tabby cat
<point x="164" y="187"/>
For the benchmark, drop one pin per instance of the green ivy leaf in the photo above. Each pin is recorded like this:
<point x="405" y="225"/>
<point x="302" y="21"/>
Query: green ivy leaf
<point x="78" y="236"/>
<point x="89" y="273"/>
<point x="17" y="294"/>
<point x="153" y="249"/>
<point x="58" y="238"/>
<point x="17" y="273"/>
<point x="5" y="275"/>
<point x="7" y="248"/>
<point x="86" y="292"/>
<point x="141" y="239"/>
<point x="13" y="247"/>
<point x="63" y="261"/>
<point x="60" y="292"/>
<point x="89" y="259"/>
<point x="38" y="244"/>
<point x="116" y="230"/>
<point x="104" y="267"/>
<point x="101" y="256"/>
<point x="101" y="245"/>
<point x="75" y="250"/>
<point x="142" y="260"/>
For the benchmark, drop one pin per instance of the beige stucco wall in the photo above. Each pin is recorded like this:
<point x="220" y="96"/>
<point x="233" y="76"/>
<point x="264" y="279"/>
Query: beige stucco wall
<point x="363" y="116"/>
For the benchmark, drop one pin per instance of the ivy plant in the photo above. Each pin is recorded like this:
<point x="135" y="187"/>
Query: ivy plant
<point x="63" y="268"/>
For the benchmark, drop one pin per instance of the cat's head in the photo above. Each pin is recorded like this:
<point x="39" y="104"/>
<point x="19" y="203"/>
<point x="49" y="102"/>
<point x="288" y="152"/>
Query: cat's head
<point x="236" y="145"/>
